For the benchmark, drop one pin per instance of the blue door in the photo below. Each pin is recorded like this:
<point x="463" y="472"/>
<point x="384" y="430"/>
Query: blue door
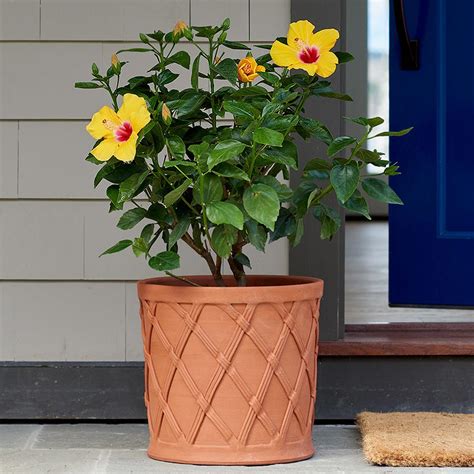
<point x="431" y="256"/>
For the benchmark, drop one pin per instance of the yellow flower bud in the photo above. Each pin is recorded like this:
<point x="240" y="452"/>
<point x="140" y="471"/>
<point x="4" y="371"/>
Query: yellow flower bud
<point x="114" y="60"/>
<point x="166" y="114"/>
<point x="248" y="69"/>
<point x="179" y="28"/>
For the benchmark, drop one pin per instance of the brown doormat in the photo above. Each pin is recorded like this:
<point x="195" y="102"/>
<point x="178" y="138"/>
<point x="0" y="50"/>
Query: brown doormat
<point x="417" y="439"/>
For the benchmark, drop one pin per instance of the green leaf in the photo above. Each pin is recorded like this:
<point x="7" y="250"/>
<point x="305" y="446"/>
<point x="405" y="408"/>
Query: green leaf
<point x="158" y="137"/>
<point x="176" y="146"/>
<point x="102" y="173"/>
<point x="257" y="235"/>
<point x="330" y="220"/>
<point x="286" y="155"/>
<point x="380" y="191"/>
<point x="219" y="212"/>
<point x="117" y="172"/>
<point x="369" y="156"/>
<point x="87" y="85"/>
<point x="147" y="232"/>
<point x="266" y="136"/>
<point x="297" y="235"/>
<point x="283" y="191"/>
<point x="181" y="57"/>
<point x="206" y="31"/>
<point x="317" y="169"/>
<point x="243" y="259"/>
<point x="139" y="246"/>
<point x="179" y="230"/>
<point x="336" y="95"/>
<point x="230" y="171"/>
<point x="134" y="50"/>
<point x="166" y="77"/>
<point x="240" y="109"/>
<point x="144" y="131"/>
<point x="394" y="134"/>
<point x="391" y="170"/>
<point x="164" y="261"/>
<point x="284" y="226"/>
<point x="131" y="218"/>
<point x="178" y="163"/>
<point x="329" y="226"/>
<point x="195" y="73"/>
<point x="222" y="239"/>
<point x="92" y="159"/>
<point x="321" y="87"/>
<point x="198" y="149"/>
<point x="344" y="179"/>
<point x="250" y="91"/>
<point x="317" y="164"/>
<point x="118" y="247"/>
<point x="176" y="193"/>
<point x="357" y="203"/>
<point x="160" y="214"/>
<point x="227" y="69"/>
<point x="131" y="185"/>
<point x="262" y="204"/>
<point x="269" y="77"/>
<point x="285" y="96"/>
<point x="312" y="128"/>
<point x="367" y="122"/>
<point x="236" y="45"/>
<point x="344" y="57"/>
<point x="188" y="105"/>
<point x="224" y="151"/>
<point x="281" y="123"/>
<point x="156" y="35"/>
<point x="212" y="189"/>
<point x="113" y="193"/>
<point x="339" y="144"/>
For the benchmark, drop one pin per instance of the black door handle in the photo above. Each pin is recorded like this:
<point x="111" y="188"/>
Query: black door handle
<point x="409" y="48"/>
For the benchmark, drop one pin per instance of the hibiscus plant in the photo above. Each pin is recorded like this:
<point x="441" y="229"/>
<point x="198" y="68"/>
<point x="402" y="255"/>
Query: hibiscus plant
<point x="207" y="166"/>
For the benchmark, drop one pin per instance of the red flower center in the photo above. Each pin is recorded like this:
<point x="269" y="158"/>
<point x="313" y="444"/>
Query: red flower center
<point x="122" y="133"/>
<point x="309" y="54"/>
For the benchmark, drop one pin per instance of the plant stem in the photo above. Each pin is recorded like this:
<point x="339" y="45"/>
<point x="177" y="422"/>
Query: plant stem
<point x="238" y="271"/>
<point x="323" y="193"/>
<point x="211" y="84"/>
<point x="189" y="282"/>
<point x="206" y="255"/>
<point x="218" y="275"/>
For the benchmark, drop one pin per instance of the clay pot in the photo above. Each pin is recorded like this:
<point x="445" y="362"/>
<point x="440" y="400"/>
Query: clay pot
<point x="230" y="373"/>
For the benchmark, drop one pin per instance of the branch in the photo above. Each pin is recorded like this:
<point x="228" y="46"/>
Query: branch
<point x="206" y="255"/>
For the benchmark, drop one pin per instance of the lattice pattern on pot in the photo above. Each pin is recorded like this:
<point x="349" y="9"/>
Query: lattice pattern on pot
<point x="243" y="326"/>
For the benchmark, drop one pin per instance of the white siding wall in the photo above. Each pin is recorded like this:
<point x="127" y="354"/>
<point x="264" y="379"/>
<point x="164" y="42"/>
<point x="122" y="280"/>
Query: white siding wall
<point x="58" y="300"/>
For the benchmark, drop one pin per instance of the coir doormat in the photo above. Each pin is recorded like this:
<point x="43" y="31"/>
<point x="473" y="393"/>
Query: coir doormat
<point x="417" y="439"/>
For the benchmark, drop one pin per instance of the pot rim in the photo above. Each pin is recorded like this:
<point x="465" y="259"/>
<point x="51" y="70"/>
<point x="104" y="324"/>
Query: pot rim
<point x="276" y="289"/>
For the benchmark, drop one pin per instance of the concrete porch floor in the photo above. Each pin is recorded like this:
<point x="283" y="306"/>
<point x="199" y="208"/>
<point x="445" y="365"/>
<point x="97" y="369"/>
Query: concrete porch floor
<point x="120" y="448"/>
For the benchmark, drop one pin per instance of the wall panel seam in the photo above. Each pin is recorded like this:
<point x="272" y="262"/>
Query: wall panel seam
<point x="18" y="159"/>
<point x="40" y="20"/>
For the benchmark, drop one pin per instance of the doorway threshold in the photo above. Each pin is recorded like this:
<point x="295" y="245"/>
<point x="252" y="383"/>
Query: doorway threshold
<point x="403" y="339"/>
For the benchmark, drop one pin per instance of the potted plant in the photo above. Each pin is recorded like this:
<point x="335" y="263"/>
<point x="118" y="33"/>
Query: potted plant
<point x="230" y="361"/>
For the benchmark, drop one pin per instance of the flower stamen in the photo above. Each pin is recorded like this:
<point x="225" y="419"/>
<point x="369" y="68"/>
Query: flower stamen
<point x="123" y="132"/>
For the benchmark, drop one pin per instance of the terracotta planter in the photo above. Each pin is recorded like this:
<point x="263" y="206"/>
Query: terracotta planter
<point x="230" y="373"/>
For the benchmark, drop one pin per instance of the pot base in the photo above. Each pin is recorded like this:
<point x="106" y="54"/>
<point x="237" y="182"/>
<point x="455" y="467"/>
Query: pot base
<point x="217" y="456"/>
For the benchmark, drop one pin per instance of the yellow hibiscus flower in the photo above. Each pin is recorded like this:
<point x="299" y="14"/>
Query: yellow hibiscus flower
<point x="307" y="50"/>
<point x="119" y="130"/>
<point x="248" y="69"/>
